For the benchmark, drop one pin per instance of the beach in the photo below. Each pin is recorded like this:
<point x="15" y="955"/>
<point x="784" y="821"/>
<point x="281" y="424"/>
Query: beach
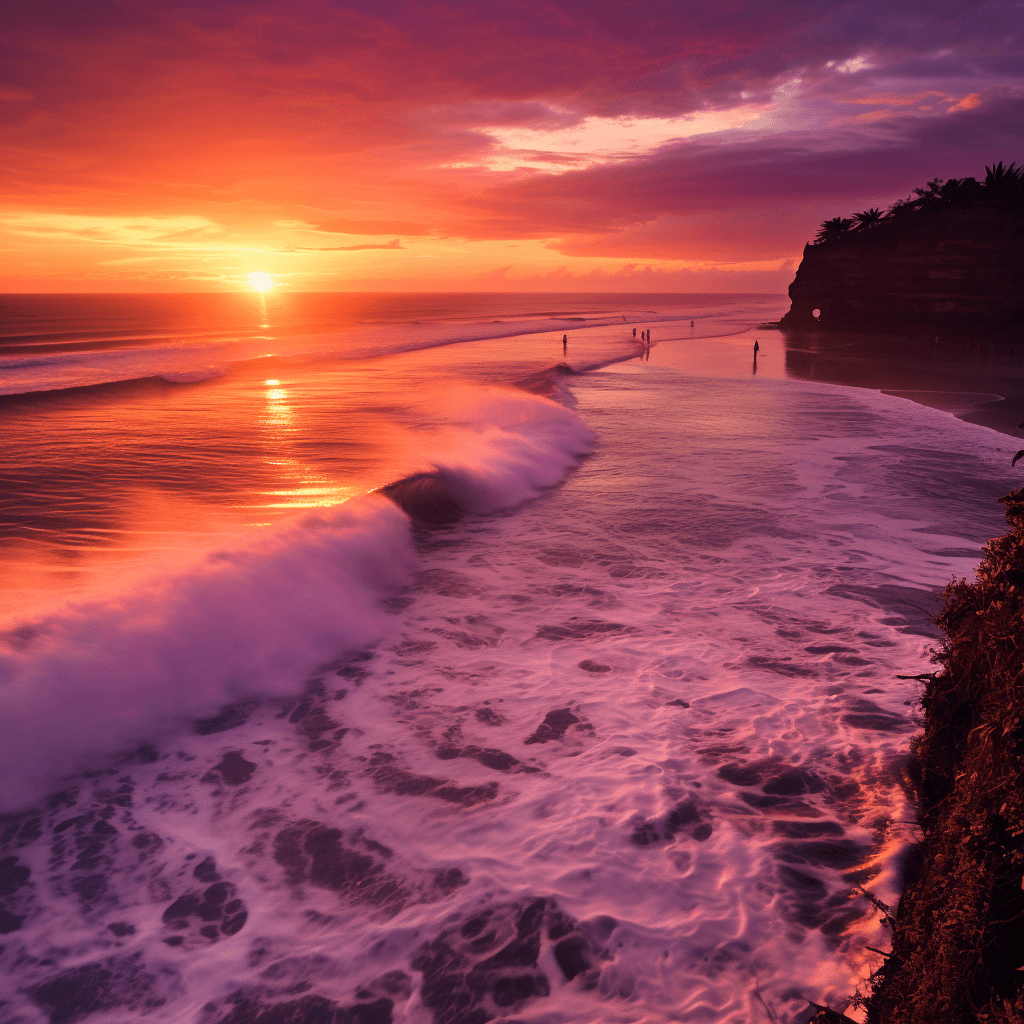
<point x="620" y="741"/>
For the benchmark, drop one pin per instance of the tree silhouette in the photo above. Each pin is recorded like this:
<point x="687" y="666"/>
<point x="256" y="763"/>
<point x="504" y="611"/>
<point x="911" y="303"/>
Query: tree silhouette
<point x="998" y="176"/>
<point x="1003" y="186"/>
<point x="832" y="229"/>
<point x="960" y="190"/>
<point x="930" y="195"/>
<point x="868" y="218"/>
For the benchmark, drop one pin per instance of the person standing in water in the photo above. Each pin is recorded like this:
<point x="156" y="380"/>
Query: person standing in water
<point x="565" y="344"/>
<point x="757" y="347"/>
<point x="634" y="334"/>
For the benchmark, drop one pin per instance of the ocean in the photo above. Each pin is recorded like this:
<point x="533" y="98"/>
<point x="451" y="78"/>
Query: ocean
<point x="374" y="658"/>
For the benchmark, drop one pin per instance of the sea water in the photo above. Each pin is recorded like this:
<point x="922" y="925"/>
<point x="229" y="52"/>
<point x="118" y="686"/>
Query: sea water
<point x="611" y="728"/>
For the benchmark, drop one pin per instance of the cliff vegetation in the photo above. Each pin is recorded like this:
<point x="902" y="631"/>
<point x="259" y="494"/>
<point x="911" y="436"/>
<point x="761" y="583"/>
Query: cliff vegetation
<point x="958" y="936"/>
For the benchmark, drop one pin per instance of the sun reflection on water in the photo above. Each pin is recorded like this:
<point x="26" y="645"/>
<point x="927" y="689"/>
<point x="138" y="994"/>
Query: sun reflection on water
<point x="314" y="488"/>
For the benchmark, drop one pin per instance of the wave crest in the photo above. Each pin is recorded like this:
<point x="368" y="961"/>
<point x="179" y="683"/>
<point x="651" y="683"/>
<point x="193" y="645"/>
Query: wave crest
<point x="255" y="617"/>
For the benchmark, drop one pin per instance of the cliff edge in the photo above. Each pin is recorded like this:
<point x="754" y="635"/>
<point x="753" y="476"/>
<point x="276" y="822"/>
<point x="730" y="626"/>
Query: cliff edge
<point x="947" y="260"/>
<point x="958" y="936"/>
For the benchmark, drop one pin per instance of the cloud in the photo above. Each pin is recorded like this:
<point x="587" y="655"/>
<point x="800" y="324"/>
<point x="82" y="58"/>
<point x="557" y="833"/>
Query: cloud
<point x="969" y="102"/>
<point x="395" y="243"/>
<point x="341" y="226"/>
<point x="603" y="130"/>
<point x="130" y="231"/>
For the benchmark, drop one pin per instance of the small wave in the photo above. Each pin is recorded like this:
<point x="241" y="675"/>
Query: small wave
<point x="193" y="376"/>
<point x="512" y="446"/>
<point x="133" y="385"/>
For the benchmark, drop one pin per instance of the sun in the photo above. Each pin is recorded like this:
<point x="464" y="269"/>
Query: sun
<point x="261" y="282"/>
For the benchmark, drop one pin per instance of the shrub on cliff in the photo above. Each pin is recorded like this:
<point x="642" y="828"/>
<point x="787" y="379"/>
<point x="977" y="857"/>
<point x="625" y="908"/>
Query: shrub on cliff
<point x="957" y="950"/>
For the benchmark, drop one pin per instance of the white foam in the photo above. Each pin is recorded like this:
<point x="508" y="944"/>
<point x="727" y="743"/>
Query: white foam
<point x="711" y="551"/>
<point x="252" y="618"/>
<point x="507" y="447"/>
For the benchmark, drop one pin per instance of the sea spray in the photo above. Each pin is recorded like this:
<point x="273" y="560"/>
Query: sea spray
<point x="253" y="618"/>
<point x="505" y="448"/>
<point x="246" y="621"/>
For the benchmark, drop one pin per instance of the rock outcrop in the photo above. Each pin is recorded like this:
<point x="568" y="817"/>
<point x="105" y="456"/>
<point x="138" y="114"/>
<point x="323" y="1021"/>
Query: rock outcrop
<point x="940" y="269"/>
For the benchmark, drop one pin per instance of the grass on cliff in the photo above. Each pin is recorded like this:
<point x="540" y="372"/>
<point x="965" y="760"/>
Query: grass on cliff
<point x="958" y="941"/>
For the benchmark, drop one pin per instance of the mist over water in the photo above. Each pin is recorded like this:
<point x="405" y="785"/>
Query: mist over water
<point x="618" y="741"/>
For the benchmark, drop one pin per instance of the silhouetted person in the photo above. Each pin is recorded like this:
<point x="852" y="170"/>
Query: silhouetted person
<point x="565" y="344"/>
<point x="757" y="347"/>
<point x="634" y="334"/>
<point x="691" y="325"/>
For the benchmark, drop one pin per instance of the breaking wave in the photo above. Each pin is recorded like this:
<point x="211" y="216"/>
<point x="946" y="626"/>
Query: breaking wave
<point x="254" y="616"/>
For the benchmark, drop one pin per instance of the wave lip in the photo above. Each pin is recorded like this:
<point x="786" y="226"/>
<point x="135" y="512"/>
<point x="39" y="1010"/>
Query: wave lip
<point x="512" y="445"/>
<point x="250" y="620"/>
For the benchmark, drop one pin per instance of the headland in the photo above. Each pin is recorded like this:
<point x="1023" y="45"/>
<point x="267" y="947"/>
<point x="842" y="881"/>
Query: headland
<point x="945" y="261"/>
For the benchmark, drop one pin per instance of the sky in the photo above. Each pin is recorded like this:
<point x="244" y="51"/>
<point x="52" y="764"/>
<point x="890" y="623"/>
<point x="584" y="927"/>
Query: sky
<point x="480" y="146"/>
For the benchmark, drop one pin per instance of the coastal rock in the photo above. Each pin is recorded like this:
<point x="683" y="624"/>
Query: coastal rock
<point x="926" y="272"/>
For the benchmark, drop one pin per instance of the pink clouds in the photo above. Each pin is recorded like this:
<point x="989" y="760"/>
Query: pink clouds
<point x="367" y="127"/>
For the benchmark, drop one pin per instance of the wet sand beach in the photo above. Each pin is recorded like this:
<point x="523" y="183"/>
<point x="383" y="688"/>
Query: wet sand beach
<point x="979" y="381"/>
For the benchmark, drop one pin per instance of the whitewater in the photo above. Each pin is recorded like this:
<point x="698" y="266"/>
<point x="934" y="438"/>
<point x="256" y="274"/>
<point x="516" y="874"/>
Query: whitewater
<point x="451" y="679"/>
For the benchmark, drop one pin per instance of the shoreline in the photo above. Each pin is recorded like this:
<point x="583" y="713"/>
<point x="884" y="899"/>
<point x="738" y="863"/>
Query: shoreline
<point x="978" y="382"/>
<point x="939" y="373"/>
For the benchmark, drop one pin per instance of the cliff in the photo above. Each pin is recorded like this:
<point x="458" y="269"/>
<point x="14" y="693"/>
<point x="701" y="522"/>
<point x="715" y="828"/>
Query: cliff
<point x="933" y="265"/>
<point x="957" y="951"/>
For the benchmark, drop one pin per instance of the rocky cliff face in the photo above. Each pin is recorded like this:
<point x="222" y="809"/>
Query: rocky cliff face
<point x="941" y="272"/>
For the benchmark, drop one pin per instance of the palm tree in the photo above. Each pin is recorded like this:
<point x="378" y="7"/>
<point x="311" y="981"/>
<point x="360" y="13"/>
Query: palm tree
<point x="998" y="176"/>
<point x="868" y="218"/>
<point x="832" y="229"/>
<point x="1005" y="185"/>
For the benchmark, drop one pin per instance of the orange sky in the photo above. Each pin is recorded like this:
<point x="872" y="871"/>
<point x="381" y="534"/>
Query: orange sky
<point x="541" y="146"/>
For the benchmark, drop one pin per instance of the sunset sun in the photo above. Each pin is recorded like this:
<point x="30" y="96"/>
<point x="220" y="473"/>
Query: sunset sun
<point x="261" y="282"/>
